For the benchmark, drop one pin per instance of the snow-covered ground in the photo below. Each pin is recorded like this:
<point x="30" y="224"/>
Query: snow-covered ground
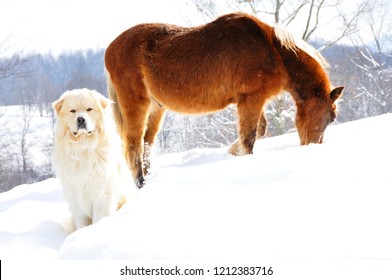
<point x="284" y="202"/>
<point x="27" y="136"/>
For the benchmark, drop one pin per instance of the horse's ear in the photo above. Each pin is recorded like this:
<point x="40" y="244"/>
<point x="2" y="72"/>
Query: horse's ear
<point x="336" y="93"/>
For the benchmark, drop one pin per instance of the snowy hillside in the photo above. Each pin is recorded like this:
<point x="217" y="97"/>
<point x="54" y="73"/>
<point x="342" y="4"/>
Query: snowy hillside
<point x="284" y="202"/>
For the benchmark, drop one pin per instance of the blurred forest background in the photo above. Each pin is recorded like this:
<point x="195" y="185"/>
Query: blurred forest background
<point x="359" y="55"/>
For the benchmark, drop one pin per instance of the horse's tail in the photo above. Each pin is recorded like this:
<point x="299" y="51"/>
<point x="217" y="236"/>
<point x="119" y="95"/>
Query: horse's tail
<point x="117" y="113"/>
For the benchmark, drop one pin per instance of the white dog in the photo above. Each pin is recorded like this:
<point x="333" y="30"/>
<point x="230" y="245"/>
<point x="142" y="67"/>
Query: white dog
<point x="88" y="157"/>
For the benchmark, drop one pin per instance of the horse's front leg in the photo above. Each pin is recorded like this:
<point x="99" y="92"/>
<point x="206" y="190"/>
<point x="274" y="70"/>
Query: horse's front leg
<point x="249" y="113"/>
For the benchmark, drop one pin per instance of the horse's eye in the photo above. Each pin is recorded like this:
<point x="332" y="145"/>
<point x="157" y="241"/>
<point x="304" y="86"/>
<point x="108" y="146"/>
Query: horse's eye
<point x="89" y="109"/>
<point x="73" y="111"/>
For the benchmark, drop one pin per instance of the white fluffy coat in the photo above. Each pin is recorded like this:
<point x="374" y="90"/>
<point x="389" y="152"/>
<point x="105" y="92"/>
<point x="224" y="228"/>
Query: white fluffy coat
<point x="89" y="161"/>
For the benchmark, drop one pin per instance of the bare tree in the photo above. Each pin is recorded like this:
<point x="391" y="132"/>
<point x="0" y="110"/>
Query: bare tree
<point x="4" y="167"/>
<point x="348" y="23"/>
<point x="307" y="15"/>
<point x="374" y="91"/>
<point x="21" y="138"/>
<point x="24" y="145"/>
<point x="24" y="138"/>
<point x="207" y="8"/>
<point x="10" y="64"/>
<point x="15" y="148"/>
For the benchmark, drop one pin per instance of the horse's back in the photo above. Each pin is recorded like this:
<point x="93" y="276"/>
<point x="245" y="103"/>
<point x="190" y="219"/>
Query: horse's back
<point x="199" y="69"/>
<point x="133" y="43"/>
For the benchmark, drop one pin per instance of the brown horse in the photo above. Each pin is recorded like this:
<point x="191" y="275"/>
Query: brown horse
<point x="236" y="59"/>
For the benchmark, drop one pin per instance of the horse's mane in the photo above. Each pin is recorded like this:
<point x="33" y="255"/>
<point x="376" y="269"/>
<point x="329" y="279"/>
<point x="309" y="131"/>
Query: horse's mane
<point x="290" y="42"/>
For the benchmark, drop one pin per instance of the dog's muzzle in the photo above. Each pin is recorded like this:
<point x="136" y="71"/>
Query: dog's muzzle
<point x="81" y="123"/>
<point x="81" y="127"/>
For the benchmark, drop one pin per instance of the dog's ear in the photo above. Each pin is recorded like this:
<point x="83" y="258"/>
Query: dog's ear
<point x="57" y="105"/>
<point x="105" y="102"/>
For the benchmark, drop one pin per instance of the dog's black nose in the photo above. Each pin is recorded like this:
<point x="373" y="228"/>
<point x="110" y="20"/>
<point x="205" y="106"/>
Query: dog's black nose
<point x="80" y="120"/>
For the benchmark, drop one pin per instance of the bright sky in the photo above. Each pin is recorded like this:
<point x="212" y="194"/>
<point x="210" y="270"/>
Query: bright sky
<point x="63" y="25"/>
<point x="58" y="25"/>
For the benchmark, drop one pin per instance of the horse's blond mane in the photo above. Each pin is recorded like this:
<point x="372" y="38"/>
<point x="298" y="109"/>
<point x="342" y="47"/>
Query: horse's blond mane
<point x="290" y="42"/>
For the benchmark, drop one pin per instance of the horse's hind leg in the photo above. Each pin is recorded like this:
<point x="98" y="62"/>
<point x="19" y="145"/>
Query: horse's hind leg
<point x="153" y="126"/>
<point x="136" y="120"/>
<point x="134" y="106"/>
<point x="249" y="111"/>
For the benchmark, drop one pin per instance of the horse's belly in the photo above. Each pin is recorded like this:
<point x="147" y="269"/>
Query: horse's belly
<point x="192" y="103"/>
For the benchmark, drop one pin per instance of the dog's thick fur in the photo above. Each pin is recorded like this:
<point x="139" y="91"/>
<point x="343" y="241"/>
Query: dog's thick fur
<point x="88" y="157"/>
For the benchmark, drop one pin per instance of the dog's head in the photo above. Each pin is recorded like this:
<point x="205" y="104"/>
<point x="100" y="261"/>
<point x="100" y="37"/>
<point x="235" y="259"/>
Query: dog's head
<point x="81" y="111"/>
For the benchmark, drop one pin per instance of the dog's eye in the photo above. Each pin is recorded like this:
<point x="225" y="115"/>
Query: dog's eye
<point x="89" y="109"/>
<point x="73" y="111"/>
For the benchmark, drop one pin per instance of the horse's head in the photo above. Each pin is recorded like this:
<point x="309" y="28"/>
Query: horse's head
<point x="314" y="115"/>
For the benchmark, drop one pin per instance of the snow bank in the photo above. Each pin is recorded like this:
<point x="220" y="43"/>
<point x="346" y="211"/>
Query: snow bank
<point x="284" y="202"/>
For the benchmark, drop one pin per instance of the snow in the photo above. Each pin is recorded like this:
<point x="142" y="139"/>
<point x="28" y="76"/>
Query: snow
<point x="284" y="202"/>
<point x="23" y="121"/>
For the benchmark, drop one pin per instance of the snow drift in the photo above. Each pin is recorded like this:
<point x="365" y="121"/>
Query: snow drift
<point x="284" y="202"/>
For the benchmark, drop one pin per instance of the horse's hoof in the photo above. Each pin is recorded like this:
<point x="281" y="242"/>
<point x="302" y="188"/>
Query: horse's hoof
<point x="234" y="149"/>
<point x="238" y="150"/>
<point x="140" y="182"/>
